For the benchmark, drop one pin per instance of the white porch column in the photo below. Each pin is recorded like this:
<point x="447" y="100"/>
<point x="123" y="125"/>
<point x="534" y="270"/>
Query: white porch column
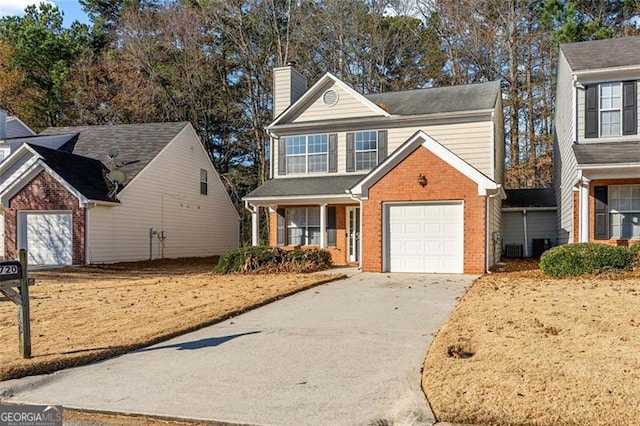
<point x="584" y="211"/>
<point x="323" y="225"/>
<point x="254" y="225"/>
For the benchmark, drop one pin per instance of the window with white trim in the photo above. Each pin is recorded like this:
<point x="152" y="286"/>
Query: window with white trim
<point x="4" y="153"/>
<point x="366" y="150"/>
<point x="303" y="226"/>
<point x="624" y="211"/>
<point x="610" y="109"/>
<point x="204" y="182"/>
<point x="308" y="154"/>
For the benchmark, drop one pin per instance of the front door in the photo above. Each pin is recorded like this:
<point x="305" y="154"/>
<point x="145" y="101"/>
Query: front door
<point x="353" y="234"/>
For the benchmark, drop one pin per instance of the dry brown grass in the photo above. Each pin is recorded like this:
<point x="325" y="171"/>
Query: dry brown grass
<point x="83" y="314"/>
<point x="545" y="351"/>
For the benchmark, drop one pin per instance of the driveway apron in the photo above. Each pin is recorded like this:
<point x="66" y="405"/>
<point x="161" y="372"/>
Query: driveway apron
<point x="349" y="353"/>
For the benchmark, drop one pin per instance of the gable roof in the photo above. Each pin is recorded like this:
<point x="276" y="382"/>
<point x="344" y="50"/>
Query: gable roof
<point x="607" y="153"/>
<point x="466" y="97"/>
<point x="317" y="89"/>
<point x="312" y="186"/>
<point x="420" y="138"/>
<point x="17" y="128"/>
<point x="530" y="197"/>
<point x="596" y="54"/>
<point x="86" y="175"/>
<point x="137" y="144"/>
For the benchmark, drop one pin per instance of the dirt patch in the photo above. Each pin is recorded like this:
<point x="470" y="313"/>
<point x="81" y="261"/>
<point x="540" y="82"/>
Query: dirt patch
<point x="83" y="314"/>
<point x="545" y="351"/>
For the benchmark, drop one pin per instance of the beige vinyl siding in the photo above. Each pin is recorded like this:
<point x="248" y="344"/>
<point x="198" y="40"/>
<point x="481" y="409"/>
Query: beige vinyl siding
<point x="166" y="196"/>
<point x="495" y="229"/>
<point x="564" y="163"/>
<point x="472" y="141"/>
<point x="347" y="107"/>
<point x="581" y="119"/>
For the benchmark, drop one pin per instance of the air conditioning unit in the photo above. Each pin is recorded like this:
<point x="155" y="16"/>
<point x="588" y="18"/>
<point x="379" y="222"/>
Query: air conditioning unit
<point x="513" y="250"/>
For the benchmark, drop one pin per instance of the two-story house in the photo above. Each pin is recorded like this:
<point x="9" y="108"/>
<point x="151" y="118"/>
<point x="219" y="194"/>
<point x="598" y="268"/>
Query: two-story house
<point x="597" y="147"/>
<point x="406" y="181"/>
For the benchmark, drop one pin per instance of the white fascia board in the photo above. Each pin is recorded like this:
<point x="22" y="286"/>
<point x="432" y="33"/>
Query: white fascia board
<point x="607" y="166"/>
<point x="485" y="184"/>
<point x="300" y="199"/>
<point x="327" y="78"/>
<point x="594" y="72"/>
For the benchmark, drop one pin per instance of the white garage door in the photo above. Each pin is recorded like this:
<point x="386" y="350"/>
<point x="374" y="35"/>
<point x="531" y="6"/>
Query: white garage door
<point x="48" y="238"/>
<point x="425" y="238"/>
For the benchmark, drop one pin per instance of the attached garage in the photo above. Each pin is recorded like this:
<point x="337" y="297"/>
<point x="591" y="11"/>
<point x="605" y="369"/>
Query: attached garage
<point x="425" y="237"/>
<point x="47" y="236"/>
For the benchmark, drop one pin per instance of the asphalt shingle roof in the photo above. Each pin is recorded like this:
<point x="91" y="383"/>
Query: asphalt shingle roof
<point x="535" y="197"/>
<point x="137" y="144"/>
<point x="86" y="175"/>
<point x="615" y="52"/>
<point x="319" y="185"/>
<point x="607" y="153"/>
<point x="467" y="97"/>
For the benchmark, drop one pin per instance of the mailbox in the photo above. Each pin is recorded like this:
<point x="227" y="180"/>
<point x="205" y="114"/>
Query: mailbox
<point x="10" y="271"/>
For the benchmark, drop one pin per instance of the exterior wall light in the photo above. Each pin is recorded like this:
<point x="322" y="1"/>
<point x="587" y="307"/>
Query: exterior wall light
<point x="422" y="180"/>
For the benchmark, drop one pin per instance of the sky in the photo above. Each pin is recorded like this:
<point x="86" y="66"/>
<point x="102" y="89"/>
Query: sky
<point x="70" y="8"/>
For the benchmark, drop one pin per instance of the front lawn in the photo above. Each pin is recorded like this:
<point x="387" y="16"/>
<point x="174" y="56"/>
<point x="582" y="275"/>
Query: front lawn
<point x="82" y="314"/>
<point x="522" y="348"/>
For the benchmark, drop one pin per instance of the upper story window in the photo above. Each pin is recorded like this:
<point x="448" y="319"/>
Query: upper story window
<point x="610" y="109"/>
<point x="204" y="182"/>
<point x="4" y="153"/>
<point x="307" y="154"/>
<point x="366" y="150"/>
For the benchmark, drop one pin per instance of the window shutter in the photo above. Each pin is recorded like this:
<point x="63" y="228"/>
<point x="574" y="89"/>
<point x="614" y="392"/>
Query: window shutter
<point x="280" y="238"/>
<point x="282" y="156"/>
<point x="382" y="145"/>
<point x="601" y="226"/>
<point x="351" y="157"/>
<point x="629" y="108"/>
<point x="331" y="226"/>
<point x="333" y="153"/>
<point x="591" y="112"/>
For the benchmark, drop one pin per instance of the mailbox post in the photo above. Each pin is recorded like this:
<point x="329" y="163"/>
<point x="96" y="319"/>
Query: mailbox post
<point x="14" y="274"/>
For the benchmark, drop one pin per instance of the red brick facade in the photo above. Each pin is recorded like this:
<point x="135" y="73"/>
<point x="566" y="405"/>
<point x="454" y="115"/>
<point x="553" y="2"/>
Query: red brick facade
<point x="45" y="193"/>
<point x="443" y="183"/>
<point x="576" y="209"/>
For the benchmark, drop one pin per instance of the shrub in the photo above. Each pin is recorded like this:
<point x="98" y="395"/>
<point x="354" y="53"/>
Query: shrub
<point x="584" y="259"/>
<point x="264" y="259"/>
<point x="635" y="251"/>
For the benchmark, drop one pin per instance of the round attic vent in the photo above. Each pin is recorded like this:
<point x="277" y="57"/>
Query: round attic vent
<point x="330" y="97"/>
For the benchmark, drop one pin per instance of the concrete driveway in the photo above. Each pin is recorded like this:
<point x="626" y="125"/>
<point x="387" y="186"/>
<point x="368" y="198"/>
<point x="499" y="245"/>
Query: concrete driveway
<point x="347" y="353"/>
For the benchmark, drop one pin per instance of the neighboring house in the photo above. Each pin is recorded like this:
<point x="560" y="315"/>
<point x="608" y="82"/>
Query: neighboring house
<point x="405" y="182"/>
<point x="528" y="221"/>
<point x="100" y="194"/>
<point x="597" y="147"/>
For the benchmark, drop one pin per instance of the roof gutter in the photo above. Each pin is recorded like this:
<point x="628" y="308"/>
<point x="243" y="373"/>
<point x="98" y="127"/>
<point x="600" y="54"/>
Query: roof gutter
<point x="606" y="70"/>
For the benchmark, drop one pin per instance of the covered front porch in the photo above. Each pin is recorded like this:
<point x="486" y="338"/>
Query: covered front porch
<point x="310" y="212"/>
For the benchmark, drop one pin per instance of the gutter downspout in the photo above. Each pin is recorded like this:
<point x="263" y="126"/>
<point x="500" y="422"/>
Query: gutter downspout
<point x="272" y="137"/>
<point x="526" y="237"/>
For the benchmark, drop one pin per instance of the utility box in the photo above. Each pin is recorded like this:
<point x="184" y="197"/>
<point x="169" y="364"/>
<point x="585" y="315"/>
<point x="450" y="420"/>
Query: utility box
<point x="513" y="250"/>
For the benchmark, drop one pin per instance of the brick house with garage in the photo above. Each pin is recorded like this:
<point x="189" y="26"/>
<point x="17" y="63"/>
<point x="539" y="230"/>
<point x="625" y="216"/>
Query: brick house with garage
<point x="102" y="194"/>
<point x="597" y="145"/>
<point x="408" y="181"/>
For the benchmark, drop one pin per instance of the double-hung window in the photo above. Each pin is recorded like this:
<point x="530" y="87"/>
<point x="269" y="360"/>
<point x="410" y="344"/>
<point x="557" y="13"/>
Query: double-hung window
<point x="204" y="182"/>
<point x="624" y="211"/>
<point x="366" y="150"/>
<point x="307" y="154"/>
<point x="303" y="226"/>
<point x="610" y="109"/>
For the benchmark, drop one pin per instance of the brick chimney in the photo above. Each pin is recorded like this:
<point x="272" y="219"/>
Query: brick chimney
<point x="288" y="86"/>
